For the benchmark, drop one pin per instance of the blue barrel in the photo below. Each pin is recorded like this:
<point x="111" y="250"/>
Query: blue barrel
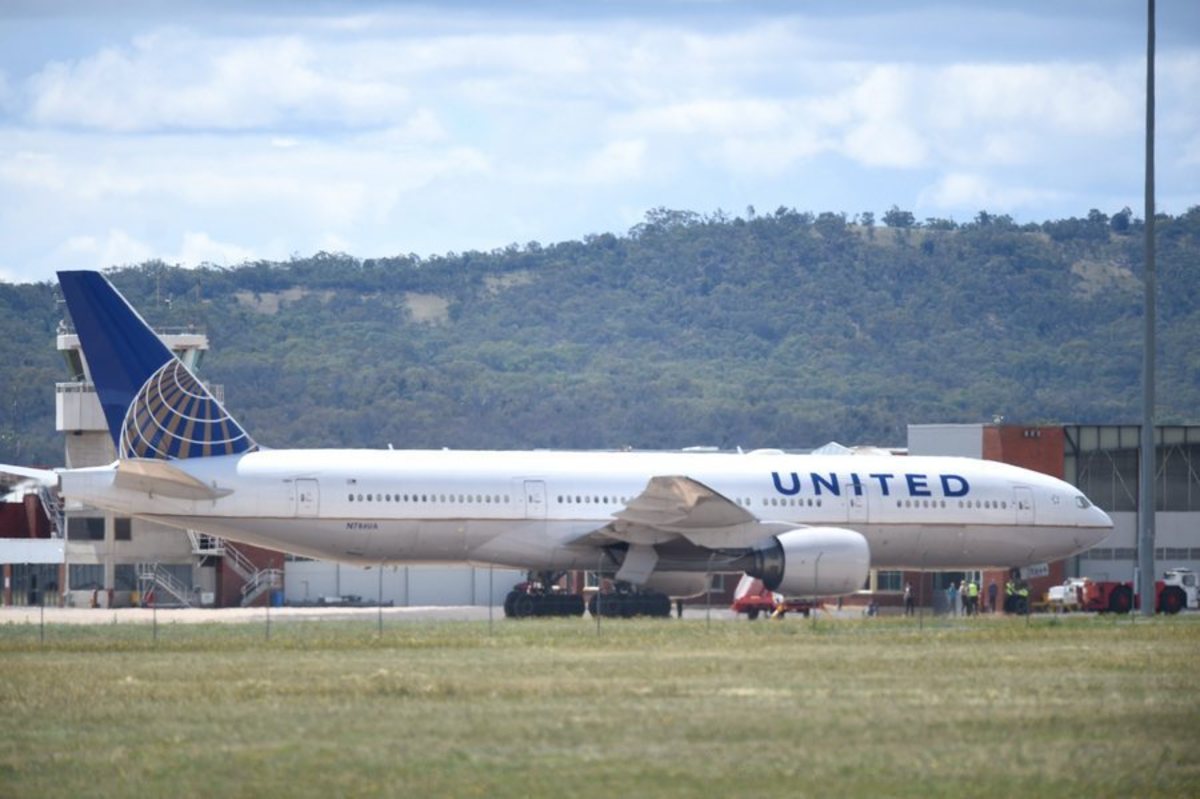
<point x="276" y="599"/>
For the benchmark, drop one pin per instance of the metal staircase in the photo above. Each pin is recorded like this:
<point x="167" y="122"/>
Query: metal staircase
<point x="151" y="577"/>
<point x="255" y="581"/>
<point x="52" y="506"/>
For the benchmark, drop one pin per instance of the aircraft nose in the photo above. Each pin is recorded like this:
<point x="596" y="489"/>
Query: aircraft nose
<point x="1100" y="526"/>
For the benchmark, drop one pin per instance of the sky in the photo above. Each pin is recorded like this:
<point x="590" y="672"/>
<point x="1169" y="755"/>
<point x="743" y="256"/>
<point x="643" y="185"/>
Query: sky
<point x="220" y="132"/>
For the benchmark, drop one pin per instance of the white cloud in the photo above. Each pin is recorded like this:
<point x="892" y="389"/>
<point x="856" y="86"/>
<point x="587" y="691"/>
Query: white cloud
<point x="1191" y="152"/>
<point x="1068" y="98"/>
<point x="964" y="190"/>
<point x="707" y="117"/>
<point x="615" y="162"/>
<point x="172" y="80"/>
<point x="7" y="93"/>
<point x="199" y="248"/>
<point x="416" y="129"/>
<point x="114" y="248"/>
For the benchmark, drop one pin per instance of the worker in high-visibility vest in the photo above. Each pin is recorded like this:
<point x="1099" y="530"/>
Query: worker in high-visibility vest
<point x="1010" y="590"/>
<point x="1023" y="595"/>
<point x="972" y="598"/>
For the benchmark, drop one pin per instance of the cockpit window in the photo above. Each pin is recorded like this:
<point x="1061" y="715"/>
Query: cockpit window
<point x="1082" y="502"/>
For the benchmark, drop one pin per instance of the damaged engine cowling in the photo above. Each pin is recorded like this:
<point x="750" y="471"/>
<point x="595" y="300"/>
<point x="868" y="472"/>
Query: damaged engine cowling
<point x="812" y="561"/>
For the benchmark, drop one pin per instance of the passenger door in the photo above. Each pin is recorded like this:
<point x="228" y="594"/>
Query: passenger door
<point x="535" y="499"/>
<point x="307" y="498"/>
<point x="1023" y="500"/>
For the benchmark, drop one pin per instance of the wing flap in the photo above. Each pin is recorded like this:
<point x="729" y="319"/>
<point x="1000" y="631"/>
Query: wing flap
<point x="674" y="507"/>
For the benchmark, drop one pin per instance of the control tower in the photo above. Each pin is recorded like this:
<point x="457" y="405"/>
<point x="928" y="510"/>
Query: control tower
<point x="115" y="560"/>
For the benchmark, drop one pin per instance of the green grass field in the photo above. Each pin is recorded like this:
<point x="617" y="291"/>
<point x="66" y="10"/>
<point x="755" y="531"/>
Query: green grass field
<point x="1082" y="707"/>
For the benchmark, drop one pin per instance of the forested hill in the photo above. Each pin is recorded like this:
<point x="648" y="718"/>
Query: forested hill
<point x="783" y="330"/>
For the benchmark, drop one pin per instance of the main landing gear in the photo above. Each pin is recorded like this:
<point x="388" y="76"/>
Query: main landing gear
<point x="541" y="596"/>
<point x="629" y="602"/>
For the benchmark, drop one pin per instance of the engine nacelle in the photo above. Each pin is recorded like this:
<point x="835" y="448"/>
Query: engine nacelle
<point x="813" y="561"/>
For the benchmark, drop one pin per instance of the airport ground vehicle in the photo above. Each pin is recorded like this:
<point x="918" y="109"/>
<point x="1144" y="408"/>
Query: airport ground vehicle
<point x="752" y="598"/>
<point x="1177" y="590"/>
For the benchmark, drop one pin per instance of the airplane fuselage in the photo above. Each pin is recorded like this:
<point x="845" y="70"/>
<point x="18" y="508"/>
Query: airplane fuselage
<point x="537" y="509"/>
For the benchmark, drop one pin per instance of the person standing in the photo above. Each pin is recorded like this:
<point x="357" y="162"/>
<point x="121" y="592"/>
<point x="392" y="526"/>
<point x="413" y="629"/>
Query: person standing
<point x="992" y="591"/>
<point x="908" y="599"/>
<point x="972" y="598"/>
<point x="952" y="596"/>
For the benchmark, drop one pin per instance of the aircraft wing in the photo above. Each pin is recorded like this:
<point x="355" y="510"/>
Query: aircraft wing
<point x="675" y="508"/>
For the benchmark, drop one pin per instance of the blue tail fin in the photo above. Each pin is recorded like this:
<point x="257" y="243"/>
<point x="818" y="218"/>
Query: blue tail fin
<point x="155" y="407"/>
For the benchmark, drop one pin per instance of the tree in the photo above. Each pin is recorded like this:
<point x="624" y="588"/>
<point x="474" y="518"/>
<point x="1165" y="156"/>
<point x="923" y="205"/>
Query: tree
<point x="867" y="220"/>
<point x="897" y="218"/>
<point x="1120" y="221"/>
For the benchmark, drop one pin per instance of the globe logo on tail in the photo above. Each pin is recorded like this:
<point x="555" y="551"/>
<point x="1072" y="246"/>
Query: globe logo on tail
<point x="174" y="416"/>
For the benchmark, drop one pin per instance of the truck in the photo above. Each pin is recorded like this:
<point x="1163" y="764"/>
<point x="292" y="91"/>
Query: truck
<point x="752" y="598"/>
<point x="1177" y="590"/>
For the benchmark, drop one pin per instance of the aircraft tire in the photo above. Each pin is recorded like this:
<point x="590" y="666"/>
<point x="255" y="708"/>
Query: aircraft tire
<point x="524" y="606"/>
<point x="752" y="614"/>
<point x="1172" y="600"/>
<point x="1120" y="600"/>
<point x="572" y="605"/>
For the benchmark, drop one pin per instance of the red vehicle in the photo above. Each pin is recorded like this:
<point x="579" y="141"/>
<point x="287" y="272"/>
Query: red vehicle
<point x="752" y="598"/>
<point x="1176" y="591"/>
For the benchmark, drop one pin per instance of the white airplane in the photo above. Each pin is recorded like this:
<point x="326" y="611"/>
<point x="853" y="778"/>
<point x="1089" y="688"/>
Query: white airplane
<point x="805" y="524"/>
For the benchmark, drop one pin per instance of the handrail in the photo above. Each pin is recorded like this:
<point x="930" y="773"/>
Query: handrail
<point x="149" y="572"/>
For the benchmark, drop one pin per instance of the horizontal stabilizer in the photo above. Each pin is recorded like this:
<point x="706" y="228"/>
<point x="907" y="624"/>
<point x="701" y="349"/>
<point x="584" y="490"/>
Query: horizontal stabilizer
<point x="160" y="477"/>
<point x="12" y="476"/>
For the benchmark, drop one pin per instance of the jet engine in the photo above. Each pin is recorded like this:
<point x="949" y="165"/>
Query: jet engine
<point x="812" y="561"/>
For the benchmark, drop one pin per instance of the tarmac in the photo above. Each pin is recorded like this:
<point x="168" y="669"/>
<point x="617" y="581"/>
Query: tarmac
<point x="57" y="615"/>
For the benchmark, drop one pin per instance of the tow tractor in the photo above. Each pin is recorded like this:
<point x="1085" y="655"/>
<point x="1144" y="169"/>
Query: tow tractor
<point x="1176" y="591"/>
<point x="752" y="598"/>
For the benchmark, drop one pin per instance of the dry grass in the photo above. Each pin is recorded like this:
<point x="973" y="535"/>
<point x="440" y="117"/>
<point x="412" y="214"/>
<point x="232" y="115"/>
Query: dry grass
<point x="1081" y="707"/>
